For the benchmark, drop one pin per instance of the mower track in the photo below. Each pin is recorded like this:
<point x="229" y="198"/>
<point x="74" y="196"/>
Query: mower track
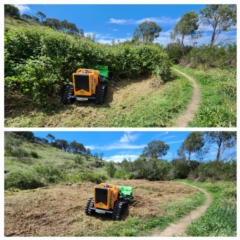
<point x="184" y="119"/>
<point x="179" y="228"/>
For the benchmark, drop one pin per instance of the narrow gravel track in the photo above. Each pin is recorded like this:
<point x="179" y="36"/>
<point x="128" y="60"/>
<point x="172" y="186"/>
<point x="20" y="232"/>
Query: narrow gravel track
<point x="179" y="228"/>
<point x="188" y="115"/>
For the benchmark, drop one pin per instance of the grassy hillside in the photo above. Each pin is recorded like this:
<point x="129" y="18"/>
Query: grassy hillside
<point x="13" y="23"/>
<point x="31" y="158"/>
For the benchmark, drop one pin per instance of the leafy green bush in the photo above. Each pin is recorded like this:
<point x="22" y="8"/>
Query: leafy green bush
<point x="34" y="154"/>
<point x="92" y="177"/>
<point x="22" y="180"/>
<point x="175" y="51"/>
<point x="49" y="174"/>
<point x="224" y="57"/>
<point x="78" y="159"/>
<point x="19" y="153"/>
<point x="215" y="171"/>
<point x="121" y="174"/>
<point x="111" y="169"/>
<point x="38" y="62"/>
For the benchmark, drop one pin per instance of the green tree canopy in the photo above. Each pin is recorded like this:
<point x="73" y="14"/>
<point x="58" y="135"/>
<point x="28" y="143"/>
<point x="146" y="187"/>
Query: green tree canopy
<point x="41" y="15"/>
<point x="11" y="11"/>
<point x="50" y="137"/>
<point x="147" y="31"/>
<point x="192" y="144"/>
<point x="221" y="17"/>
<point x="187" y="26"/>
<point x="224" y="140"/>
<point x="155" y="149"/>
<point x="111" y="169"/>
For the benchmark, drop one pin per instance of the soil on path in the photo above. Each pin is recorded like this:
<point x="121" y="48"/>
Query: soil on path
<point x="179" y="228"/>
<point x="188" y="115"/>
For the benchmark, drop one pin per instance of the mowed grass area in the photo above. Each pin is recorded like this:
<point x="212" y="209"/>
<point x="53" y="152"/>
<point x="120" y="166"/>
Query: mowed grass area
<point x="218" y="97"/>
<point x="220" y="219"/>
<point x="137" y="103"/>
<point x="59" y="210"/>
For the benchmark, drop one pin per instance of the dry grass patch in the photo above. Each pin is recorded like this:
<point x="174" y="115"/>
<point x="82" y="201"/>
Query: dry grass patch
<point x="59" y="211"/>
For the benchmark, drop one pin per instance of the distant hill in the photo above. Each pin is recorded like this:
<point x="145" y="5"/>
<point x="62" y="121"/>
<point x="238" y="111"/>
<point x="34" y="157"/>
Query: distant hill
<point x="21" y="155"/>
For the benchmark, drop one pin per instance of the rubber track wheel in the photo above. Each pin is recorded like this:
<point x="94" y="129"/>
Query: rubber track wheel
<point x="101" y="93"/>
<point x="115" y="208"/>
<point x="90" y="211"/>
<point x="87" y="205"/>
<point x="67" y="94"/>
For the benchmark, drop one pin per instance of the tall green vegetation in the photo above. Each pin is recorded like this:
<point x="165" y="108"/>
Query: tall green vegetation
<point x="189" y="164"/>
<point x="111" y="169"/>
<point x="38" y="62"/>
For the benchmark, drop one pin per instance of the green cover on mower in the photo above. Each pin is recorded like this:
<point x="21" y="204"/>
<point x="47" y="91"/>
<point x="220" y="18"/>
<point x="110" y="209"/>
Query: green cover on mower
<point x="126" y="190"/>
<point x="103" y="70"/>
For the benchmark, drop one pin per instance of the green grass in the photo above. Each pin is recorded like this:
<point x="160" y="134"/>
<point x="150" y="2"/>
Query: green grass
<point x="220" y="218"/>
<point x="19" y="23"/>
<point x="218" y="97"/>
<point x="158" y="110"/>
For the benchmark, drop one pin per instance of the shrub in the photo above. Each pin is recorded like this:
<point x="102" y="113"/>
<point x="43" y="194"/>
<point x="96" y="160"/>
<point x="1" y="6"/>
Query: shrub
<point x="49" y="174"/>
<point x="92" y="177"/>
<point x="39" y="62"/>
<point x="34" y="154"/>
<point x="121" y="174"/>
<point x="22" y="180"/>
<point x="19" y="153"/>
<point x="212" y="56"/>
<point x="78" y="159"/>
<point x="215" y="171"/>
<point x="111" y="169"/>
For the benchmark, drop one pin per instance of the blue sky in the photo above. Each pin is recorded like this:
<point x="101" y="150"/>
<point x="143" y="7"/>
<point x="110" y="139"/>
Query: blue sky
<point x="117" y="145"/>
<point x="119" y="21"/>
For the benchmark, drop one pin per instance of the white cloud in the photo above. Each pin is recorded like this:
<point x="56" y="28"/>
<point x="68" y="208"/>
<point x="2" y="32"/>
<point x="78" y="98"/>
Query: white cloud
<point x="104" y="41"/>
<point x="109" y="41"/>
<point x="119" y="158"/>
<point x="22" y="8"/>
<point x="115" y="146"/>
<point x="129" y="137"/>
<point x="159" y="20"/>
<point x="120" y="21"/>
<point x="164" y="38"/>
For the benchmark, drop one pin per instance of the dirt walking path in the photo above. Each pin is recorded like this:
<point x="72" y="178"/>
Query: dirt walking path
<point x="188" y="116"/>
<point x="179" y="228"/>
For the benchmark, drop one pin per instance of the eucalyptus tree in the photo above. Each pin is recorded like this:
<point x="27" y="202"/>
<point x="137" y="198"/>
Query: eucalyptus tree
<point x="220" y="17"/>
<point x="147" y="31"/>
<point x="186" y="26"/>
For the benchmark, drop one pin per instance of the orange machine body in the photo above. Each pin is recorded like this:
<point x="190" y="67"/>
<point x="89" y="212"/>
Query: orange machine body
<point x="85" y="82"/>
<point x="109" y="194"/>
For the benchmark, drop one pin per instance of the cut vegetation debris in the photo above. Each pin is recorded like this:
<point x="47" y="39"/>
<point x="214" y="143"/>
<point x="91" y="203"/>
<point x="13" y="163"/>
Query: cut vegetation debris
<point x="59" y="211"/>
